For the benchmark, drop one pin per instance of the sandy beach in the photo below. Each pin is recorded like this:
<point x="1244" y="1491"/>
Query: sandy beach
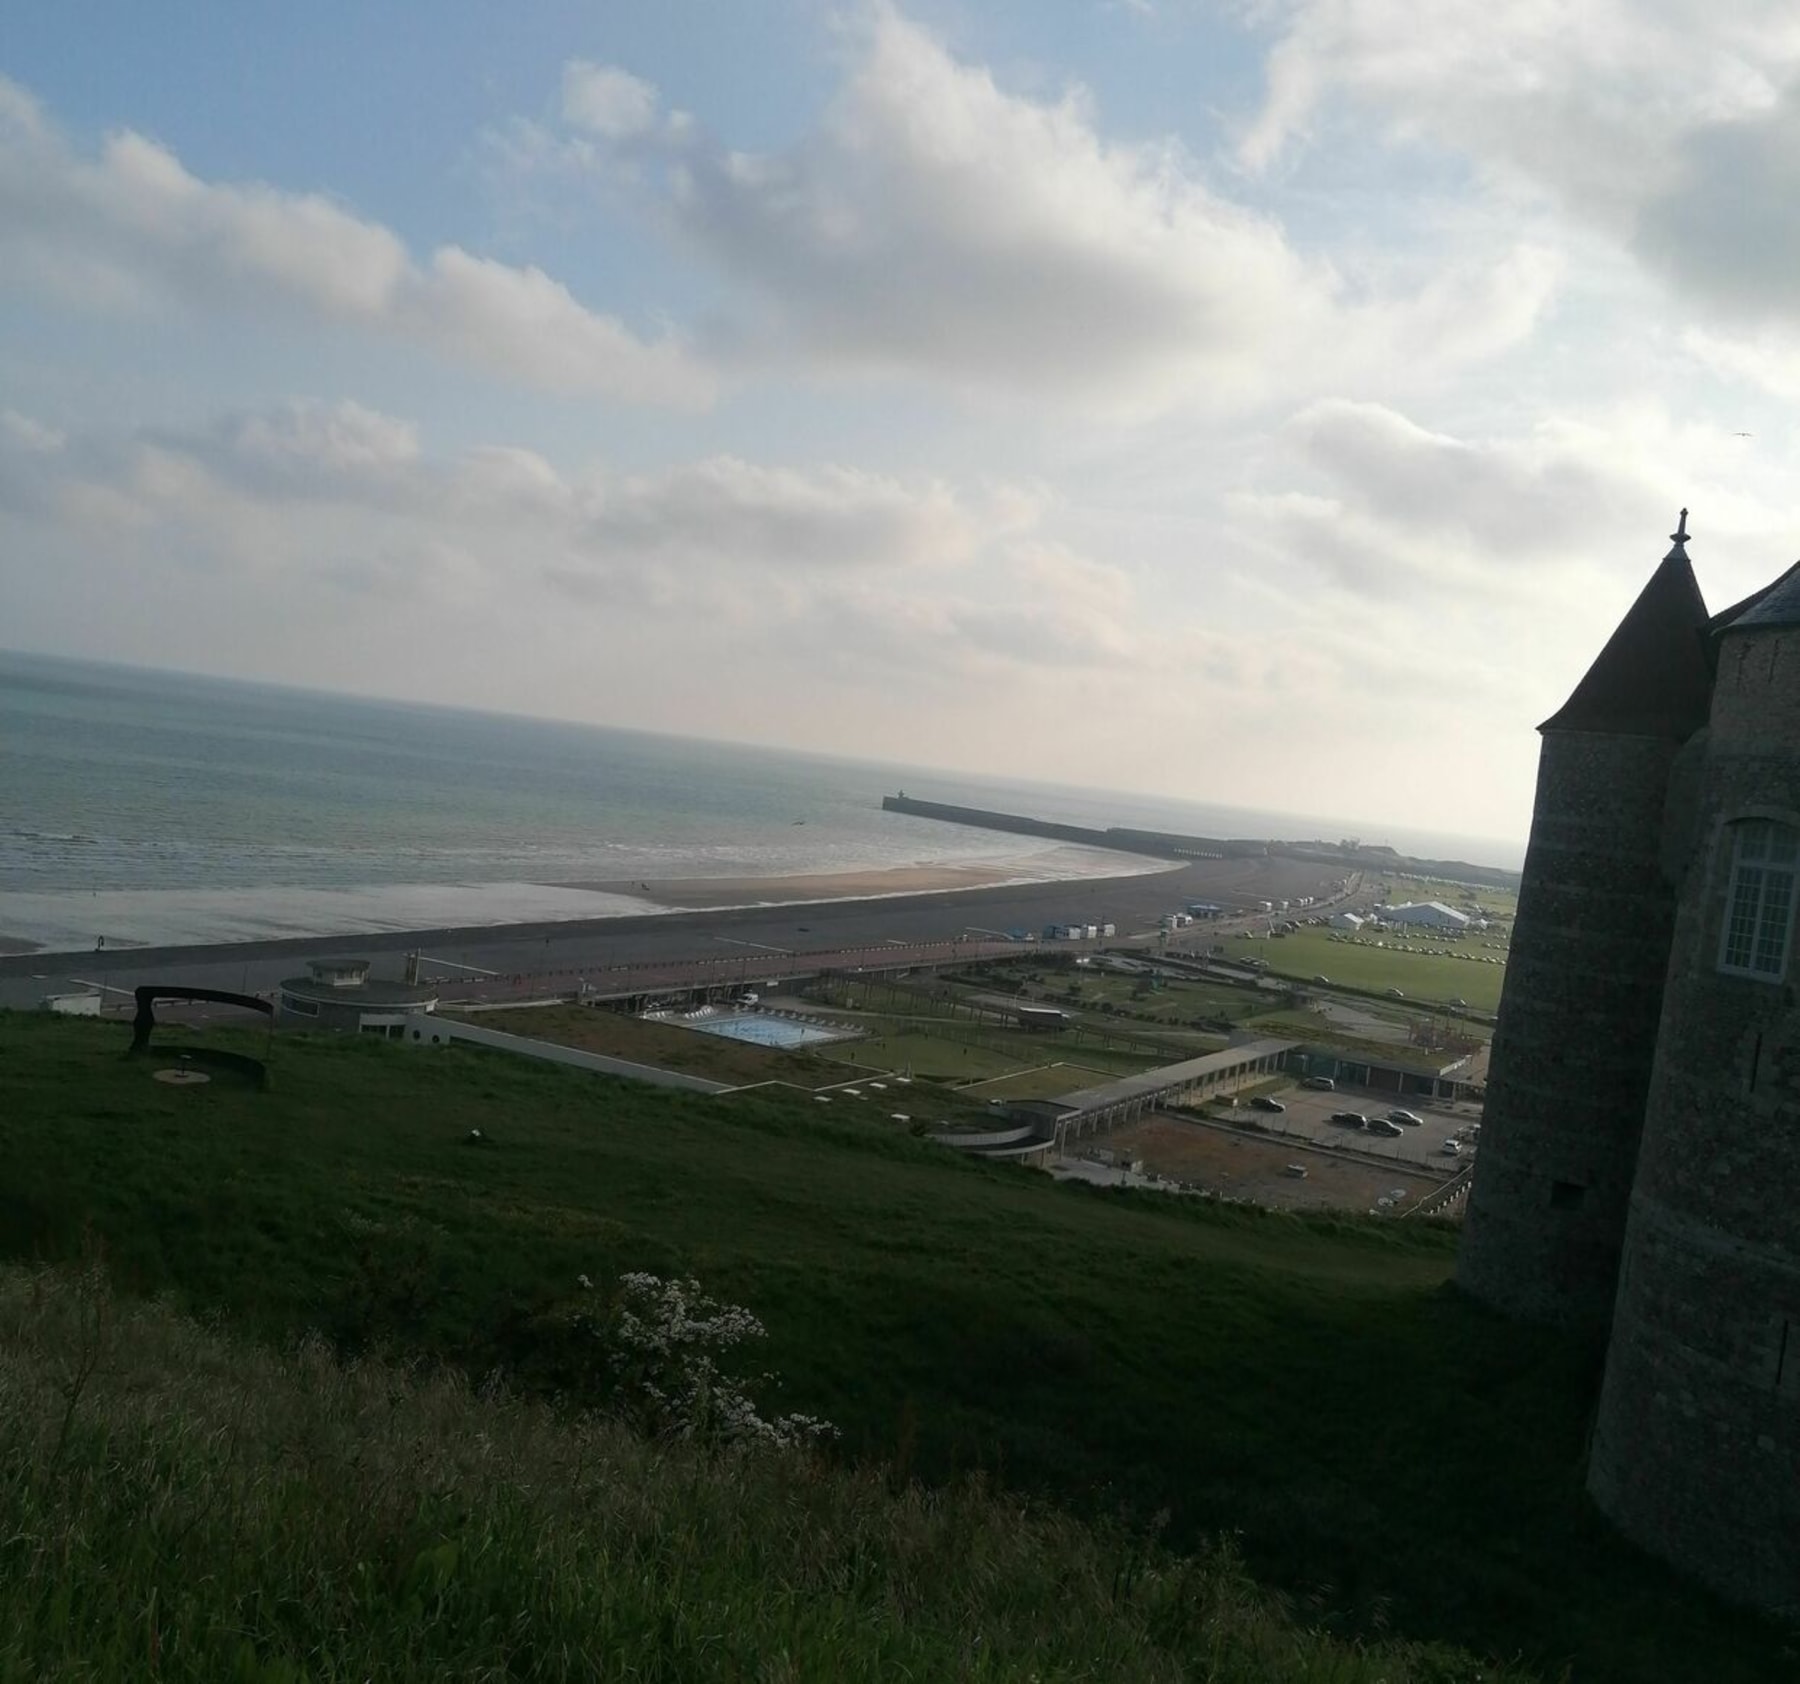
<point x="776" y="937"/>
<point x="705" y="894"/>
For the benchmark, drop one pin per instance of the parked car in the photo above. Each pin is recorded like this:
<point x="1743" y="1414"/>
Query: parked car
<point x="1325" y="1083"/>
<point x="1407" y="1117"/>
<point x="1298" y="1171"/>
<point x="1382" y="1126"/>
<point x="1350" y="1119"/>
<point x="1262" y="1102"/>
<point x="1452" y="1149"/>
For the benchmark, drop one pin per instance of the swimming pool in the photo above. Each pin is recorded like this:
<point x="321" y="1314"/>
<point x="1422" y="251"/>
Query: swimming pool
<point x="764" y="1031"/>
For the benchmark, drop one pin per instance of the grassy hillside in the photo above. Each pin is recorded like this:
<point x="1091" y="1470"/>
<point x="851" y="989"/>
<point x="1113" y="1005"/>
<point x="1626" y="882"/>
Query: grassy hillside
<point x="191" y="1510"/>
<point x="1398" y="1458"/>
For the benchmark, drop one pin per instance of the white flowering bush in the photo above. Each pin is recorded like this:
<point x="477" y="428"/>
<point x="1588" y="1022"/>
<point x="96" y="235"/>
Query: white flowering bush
<point x="667" y="1337"/>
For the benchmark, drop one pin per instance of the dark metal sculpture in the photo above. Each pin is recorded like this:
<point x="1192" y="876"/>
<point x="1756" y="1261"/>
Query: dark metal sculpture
<point x="241" y="1064"/>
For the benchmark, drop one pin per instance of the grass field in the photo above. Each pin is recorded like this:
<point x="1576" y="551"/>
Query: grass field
<point x="1404" y="1463"/>
<point x="1173" y="1002"/>
<point x="1495" y="902"/>
<point x="1425" y="972"/>
<point x="1048" y="1081"/>
<point x="196" y="1511"/>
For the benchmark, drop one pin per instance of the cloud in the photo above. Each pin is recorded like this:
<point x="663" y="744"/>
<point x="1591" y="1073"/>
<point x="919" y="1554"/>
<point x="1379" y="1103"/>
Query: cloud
<point x="132" y="228"/>
<point x="1391" y="514"/>
<point x="1418" y="565"/>
<point x="1671" y="126"/>
<point x="826" y="557"/>
<point x="606" y="100"/>
<point x="1727" y="228"/>
<point x="934" y="225"/>
<point x="739" y="513"/>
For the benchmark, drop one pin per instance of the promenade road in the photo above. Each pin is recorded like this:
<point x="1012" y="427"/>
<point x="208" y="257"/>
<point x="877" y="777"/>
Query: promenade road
<point x="747" y="945"/>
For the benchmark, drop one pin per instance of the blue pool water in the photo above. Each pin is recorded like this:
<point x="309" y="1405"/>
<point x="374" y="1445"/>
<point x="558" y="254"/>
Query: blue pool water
<point x="766" y="1031"/>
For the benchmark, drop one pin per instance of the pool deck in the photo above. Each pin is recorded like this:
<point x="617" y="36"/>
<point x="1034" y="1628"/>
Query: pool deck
<point x="782" y="1031"/>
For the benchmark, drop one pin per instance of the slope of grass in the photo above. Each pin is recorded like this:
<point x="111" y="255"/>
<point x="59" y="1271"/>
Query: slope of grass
<point x="173" y="1506"/>
<point x="1308" y="1384"/>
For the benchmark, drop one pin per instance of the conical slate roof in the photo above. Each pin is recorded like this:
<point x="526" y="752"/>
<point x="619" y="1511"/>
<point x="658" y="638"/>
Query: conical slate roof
<point x="1653" y="678"/>
<point x="1776" y="604"/>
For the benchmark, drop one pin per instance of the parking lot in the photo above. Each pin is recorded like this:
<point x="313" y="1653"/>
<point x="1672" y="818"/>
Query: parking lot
<point x="1263" y="1171"/>
<point x="1307" y="1113"/>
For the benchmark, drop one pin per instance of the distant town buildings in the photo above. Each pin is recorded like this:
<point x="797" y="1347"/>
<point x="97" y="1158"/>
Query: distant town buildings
<point x="1640" y="1171"/>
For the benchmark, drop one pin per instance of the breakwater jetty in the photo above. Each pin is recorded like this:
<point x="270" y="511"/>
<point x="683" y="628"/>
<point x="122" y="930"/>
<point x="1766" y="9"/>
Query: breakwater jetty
<point x="1172" y="845"/>
<point x="1162" y="844"/>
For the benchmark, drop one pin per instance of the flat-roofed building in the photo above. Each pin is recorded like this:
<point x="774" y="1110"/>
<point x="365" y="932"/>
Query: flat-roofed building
<point x="340" y="994"/>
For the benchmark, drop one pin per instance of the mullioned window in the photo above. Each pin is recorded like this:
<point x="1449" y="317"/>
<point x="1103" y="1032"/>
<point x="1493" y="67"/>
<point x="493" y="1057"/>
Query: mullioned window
<point x="1759" y="907"/>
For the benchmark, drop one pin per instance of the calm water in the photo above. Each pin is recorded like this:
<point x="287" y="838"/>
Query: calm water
<point x="158" y="807"/>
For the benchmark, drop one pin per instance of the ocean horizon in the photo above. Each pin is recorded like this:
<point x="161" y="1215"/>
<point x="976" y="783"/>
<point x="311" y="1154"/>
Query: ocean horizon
<point x="140" y="807"/>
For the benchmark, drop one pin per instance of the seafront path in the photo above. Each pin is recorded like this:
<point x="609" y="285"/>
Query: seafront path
<point x="743" y="945"/>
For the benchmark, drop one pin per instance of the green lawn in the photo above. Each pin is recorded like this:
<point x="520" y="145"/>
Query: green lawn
<point x="1495" y="902"/>
<point x="1048" y="1081"/>
<point x="1400" y="1459"/>
<point x="978" y="1056"/>
<point x="1175" y="1002"/>
<point x="1424" y="971"/>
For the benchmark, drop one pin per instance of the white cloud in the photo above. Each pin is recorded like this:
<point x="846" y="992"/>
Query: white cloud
<point x="936" y="225"/>
<point x="131" y="227"/>
<point x="826" y="556"/>
<point x="607" y="100"/>
<point x="1670" y="125"/>
<point x="1492" y="569"/>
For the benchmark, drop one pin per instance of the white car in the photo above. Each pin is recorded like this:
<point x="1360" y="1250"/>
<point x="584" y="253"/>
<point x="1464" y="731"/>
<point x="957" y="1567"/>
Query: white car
<point x="1452" y="1149"/>
<point x="1407" y="1117"/>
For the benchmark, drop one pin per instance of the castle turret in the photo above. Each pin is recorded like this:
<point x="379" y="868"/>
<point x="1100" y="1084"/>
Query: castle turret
<point x="1696" y="1451"/>
<point x="1576" y="1035"/>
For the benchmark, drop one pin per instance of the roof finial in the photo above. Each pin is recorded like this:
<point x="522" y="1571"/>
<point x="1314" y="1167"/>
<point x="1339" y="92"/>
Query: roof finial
<point x="1680" y="534"/>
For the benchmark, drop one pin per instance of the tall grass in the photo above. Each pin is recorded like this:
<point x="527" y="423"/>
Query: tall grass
<point x="177" y="1506"/>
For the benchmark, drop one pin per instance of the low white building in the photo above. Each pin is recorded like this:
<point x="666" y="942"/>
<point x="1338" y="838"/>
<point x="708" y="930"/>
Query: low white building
<point x="73" y="1005"/>
<point x="1346" y="921"/>
<point x="1432" y="913"/>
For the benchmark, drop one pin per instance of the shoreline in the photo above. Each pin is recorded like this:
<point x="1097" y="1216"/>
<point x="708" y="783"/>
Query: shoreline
<point x="1009" y="900"/>
<point x="731" y="894"/>
<point x="674" y="946"/>
<point x="496" y="908"/>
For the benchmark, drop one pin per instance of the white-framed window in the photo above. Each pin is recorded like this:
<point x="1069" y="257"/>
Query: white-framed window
<point x="1759" y="908"/>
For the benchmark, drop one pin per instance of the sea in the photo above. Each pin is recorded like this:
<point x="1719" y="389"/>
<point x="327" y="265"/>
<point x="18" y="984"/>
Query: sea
<point x="144" y="807"/>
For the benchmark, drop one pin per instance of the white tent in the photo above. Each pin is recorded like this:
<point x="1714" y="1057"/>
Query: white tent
<point x="1430" y="912"/>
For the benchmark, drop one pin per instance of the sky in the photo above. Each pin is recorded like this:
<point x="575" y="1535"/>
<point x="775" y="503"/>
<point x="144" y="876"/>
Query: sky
<point x="1267" y="402"/>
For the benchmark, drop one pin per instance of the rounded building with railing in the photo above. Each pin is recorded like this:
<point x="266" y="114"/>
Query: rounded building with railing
<point x="340" y="994"/>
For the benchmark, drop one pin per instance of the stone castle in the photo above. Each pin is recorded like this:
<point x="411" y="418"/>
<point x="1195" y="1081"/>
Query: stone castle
<point x="1639" y="1178"/>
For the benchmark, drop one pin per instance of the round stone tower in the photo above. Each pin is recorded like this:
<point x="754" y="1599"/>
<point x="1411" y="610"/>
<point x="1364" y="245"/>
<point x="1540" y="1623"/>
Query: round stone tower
<point x="1696" y="1451"/>
<point x="1576" y="1035"/>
